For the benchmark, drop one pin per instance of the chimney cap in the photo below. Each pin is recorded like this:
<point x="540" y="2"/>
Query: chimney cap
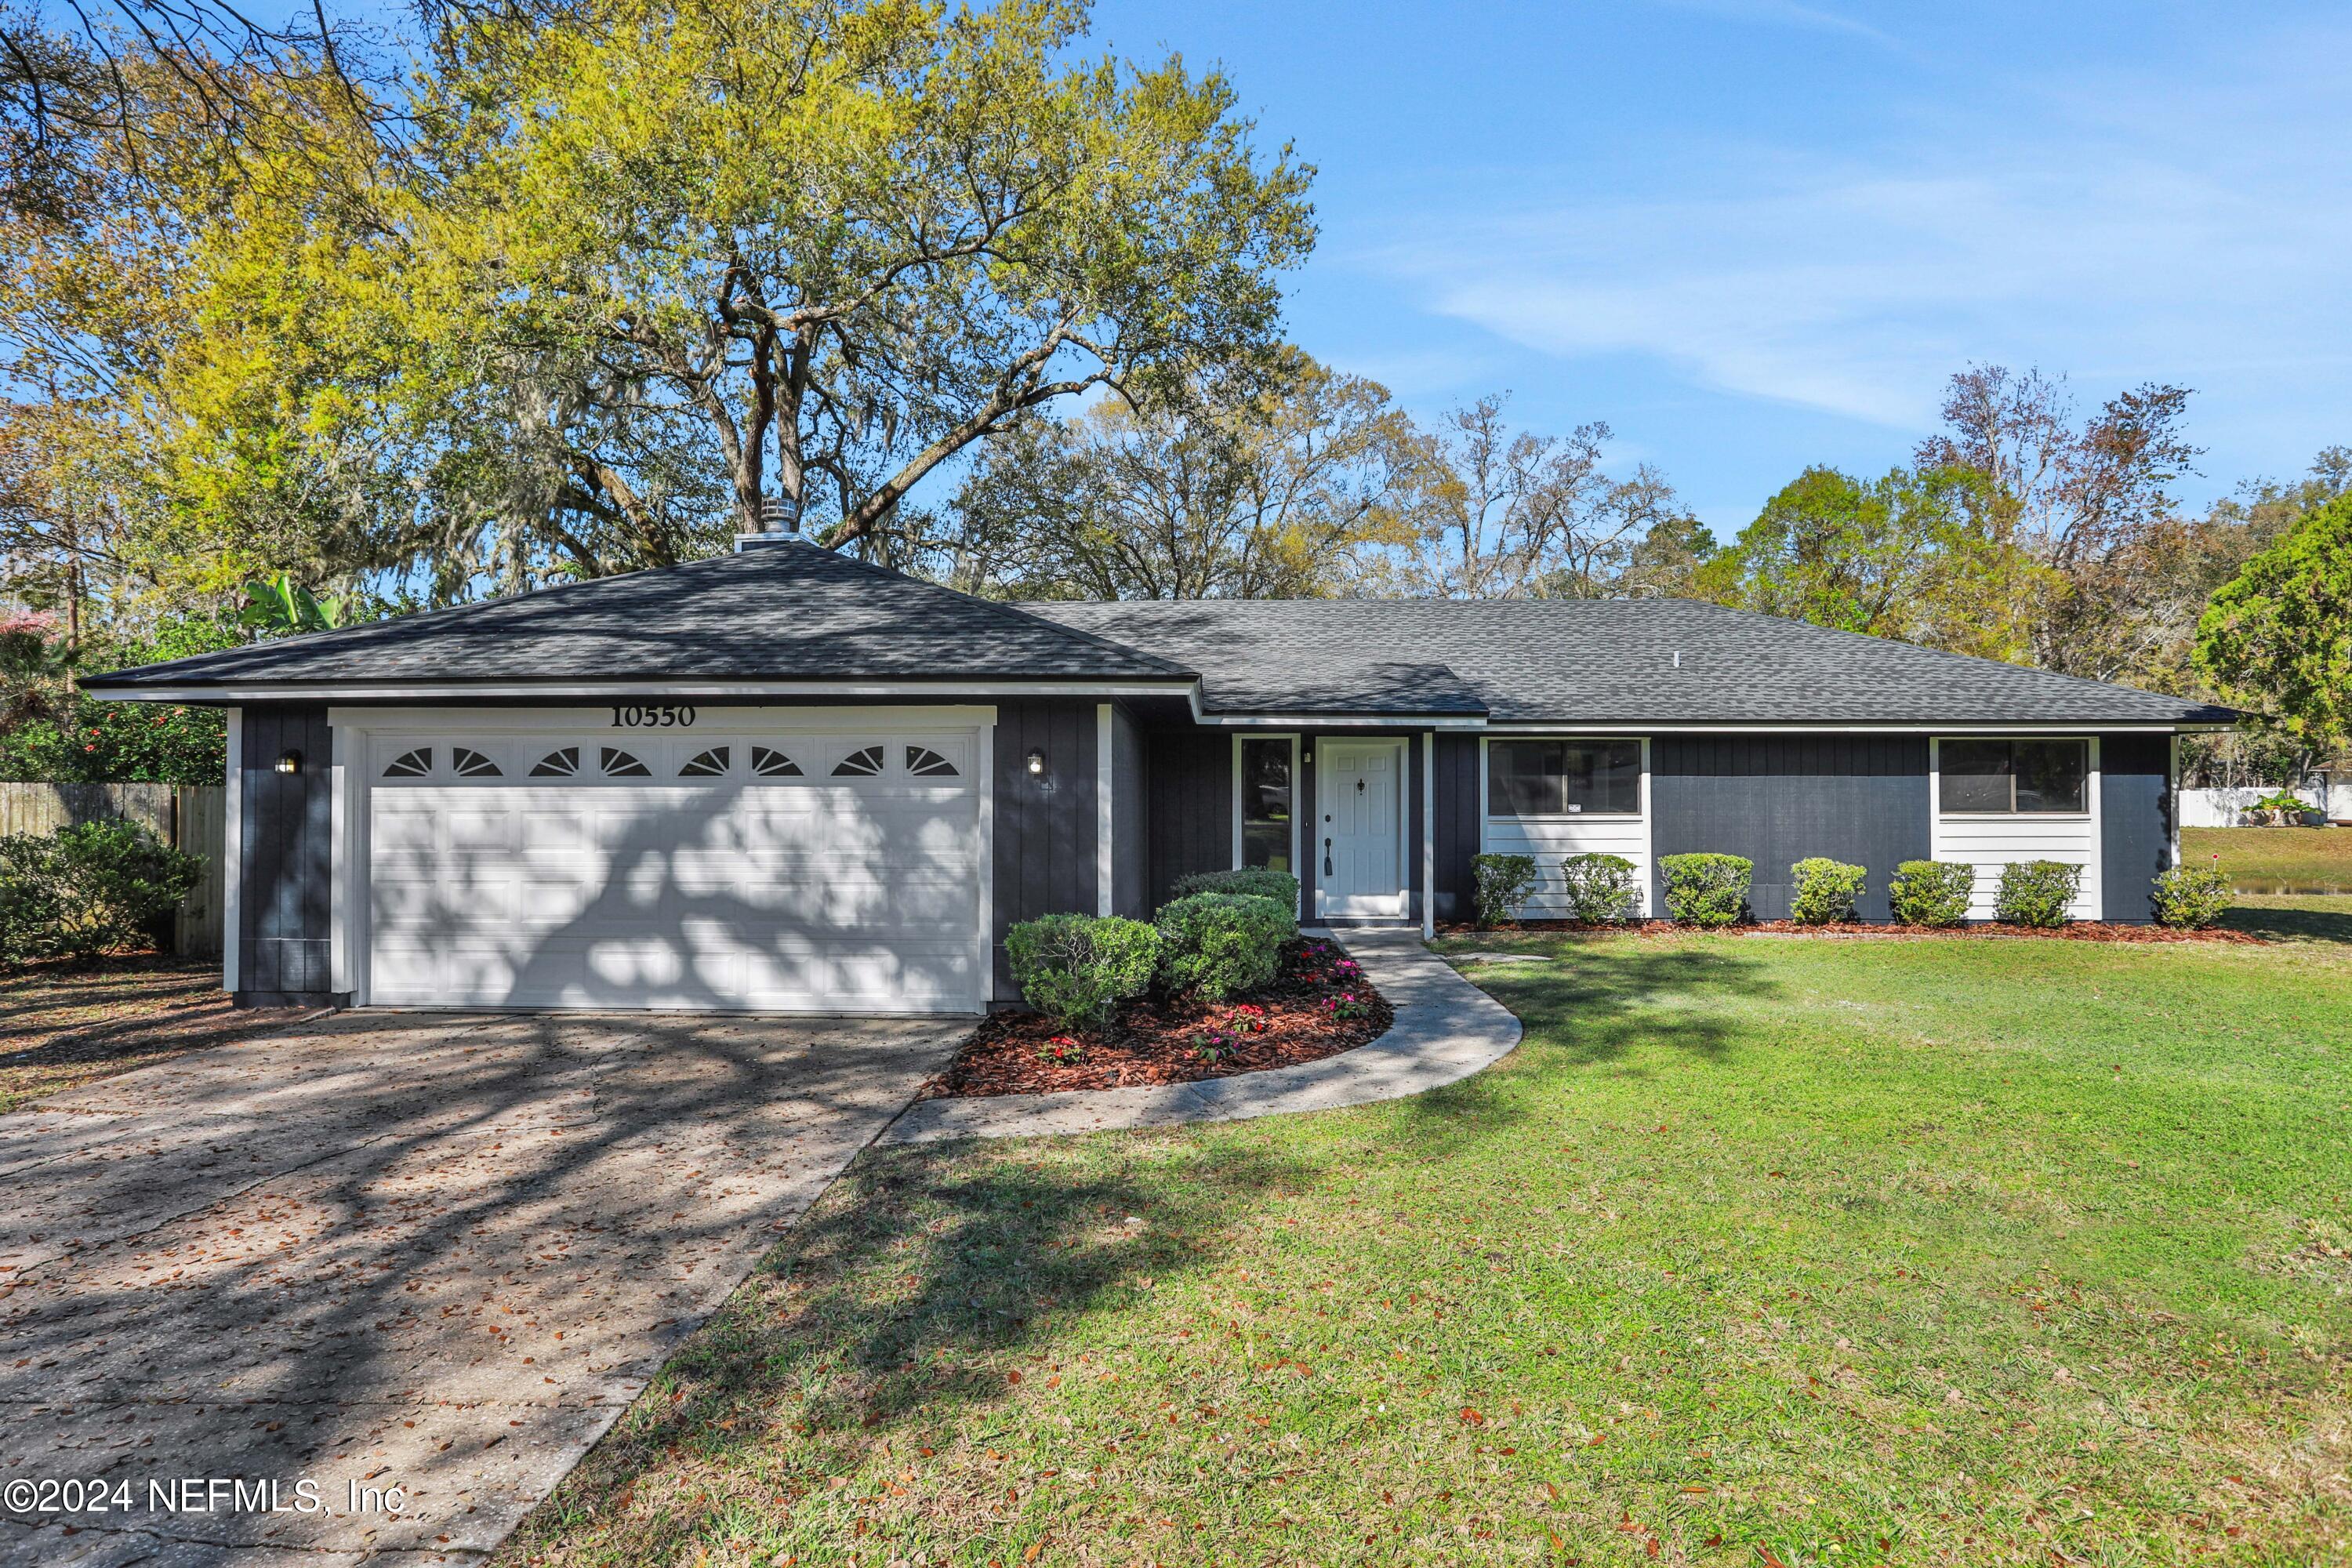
<point x="780" y="522"/>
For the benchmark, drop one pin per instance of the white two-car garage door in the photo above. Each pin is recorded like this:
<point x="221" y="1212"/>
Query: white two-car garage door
<point x="687" y="868"/>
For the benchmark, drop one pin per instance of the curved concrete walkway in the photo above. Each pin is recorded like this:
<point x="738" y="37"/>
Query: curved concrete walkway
<point x="1445" y="1030"/>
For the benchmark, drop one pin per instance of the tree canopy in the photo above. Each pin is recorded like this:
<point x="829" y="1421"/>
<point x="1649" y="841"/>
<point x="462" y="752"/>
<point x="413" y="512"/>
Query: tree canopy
<point x="1892" y="557"/>
<point x="2278" y="637"/>
<point x="629" y="277"/>
<point x="831" y="242"/>
<point x="1269" y="479"/>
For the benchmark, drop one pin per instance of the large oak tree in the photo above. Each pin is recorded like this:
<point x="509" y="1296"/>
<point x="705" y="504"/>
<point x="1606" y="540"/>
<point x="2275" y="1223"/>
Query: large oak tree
<point x="830" y="244"/>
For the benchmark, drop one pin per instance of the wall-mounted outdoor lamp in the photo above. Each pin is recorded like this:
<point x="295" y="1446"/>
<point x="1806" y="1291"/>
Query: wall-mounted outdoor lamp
<point x="1036" y="761"/>
<point x="290" y="762"/>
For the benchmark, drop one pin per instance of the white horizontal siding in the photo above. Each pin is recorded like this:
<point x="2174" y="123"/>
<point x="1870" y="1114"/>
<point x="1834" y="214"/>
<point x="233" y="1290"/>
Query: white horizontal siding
<point x="1991" y="842"/>
<point x="1551" y="839"/>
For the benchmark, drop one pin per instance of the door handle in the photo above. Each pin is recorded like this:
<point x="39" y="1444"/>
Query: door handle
<point x="1326" y="857"/>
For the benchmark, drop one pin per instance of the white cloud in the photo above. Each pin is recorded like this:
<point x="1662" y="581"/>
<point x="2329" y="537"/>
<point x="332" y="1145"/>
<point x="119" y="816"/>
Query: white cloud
<point x="2119" y="229"/>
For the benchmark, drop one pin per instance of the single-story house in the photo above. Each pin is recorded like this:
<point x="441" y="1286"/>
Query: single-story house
<point x="787" y="780"/>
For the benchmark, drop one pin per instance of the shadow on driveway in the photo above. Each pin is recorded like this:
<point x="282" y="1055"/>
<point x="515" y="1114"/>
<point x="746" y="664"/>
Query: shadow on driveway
<point x="431" y="1251"/>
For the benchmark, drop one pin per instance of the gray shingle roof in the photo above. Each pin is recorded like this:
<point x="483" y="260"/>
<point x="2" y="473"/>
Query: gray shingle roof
<point x="797" y="612"/>
<point x="1595" y="661"/>
<point x="787" y="611"/>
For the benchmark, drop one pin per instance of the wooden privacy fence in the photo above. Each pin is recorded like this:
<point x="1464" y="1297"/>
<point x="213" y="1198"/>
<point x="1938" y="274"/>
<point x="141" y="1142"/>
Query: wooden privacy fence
<point x="191" y="817"/>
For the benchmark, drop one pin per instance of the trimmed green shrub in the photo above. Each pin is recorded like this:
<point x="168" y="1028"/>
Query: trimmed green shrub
<point x="1501" y="884"/>
<point x="1077" y="969"/>
<point x="1932" y="893"/>
<point x="1823" y="891"/>
<point x="96" y="887"/>
<point x="1600" y="888"/>
<point x="2037" y="892"/>
<point x="1256" y="881"/>
<point x="32" y="912"/>
<point x="1706" y="889"/>
<point x="1221" y="945"/>
<point x="2191" y="897"/>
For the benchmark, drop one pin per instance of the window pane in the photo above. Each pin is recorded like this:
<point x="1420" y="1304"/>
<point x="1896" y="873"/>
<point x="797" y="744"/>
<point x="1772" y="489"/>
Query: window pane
<point x="2052" y="775"/>
<point x="1974" y="775"/>
<point x="1604" y="776"/>
<point x="1266" y="844"/>
<point x="1524" y="778"/>
<point x="1265" y="804"/>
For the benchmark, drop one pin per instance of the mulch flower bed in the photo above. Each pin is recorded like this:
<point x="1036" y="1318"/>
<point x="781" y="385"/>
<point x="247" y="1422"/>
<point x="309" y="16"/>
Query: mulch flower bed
<point x="1318" y="1006"/>
<point x="2075" y="931"/>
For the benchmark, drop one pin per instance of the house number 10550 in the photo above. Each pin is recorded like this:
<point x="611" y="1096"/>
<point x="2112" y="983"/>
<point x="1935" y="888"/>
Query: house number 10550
<point x="661" y="718"/>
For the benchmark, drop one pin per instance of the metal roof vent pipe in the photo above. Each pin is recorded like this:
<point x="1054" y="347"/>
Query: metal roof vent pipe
<point x="780" y="522"/>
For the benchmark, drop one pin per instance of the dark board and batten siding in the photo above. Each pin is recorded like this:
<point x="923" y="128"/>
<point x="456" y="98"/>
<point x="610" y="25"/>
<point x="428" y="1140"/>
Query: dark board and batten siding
<point x="1044" y="823"/>
<point x="1459" y="821"/>
<point x="2136" y="806"/>
<point x="1189" y="813"/>
<point x="286" y="823"/>
<point x="1777" y="799"/>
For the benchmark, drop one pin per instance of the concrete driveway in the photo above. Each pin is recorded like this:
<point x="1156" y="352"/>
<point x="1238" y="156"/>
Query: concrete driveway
<point x="430" y="1251"/>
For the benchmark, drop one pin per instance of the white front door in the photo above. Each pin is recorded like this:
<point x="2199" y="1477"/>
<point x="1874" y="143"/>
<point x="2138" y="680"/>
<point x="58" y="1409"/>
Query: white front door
<point x="1359" y="798"/>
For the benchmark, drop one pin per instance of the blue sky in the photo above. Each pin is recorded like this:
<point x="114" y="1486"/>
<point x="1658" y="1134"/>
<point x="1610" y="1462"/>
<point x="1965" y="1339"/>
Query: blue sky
<point x="1751" y="235"/>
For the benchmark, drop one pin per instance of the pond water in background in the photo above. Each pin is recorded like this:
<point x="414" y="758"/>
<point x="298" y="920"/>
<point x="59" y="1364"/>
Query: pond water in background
<point x="2290" y="891"/>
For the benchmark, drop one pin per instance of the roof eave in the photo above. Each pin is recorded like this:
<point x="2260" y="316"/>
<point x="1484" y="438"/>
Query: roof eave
<point x="233" y="692"/>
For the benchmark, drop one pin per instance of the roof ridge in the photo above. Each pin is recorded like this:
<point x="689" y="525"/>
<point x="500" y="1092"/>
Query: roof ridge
<point x="367" y="633"/>
<point x="413" y="618"/>
<point x="1706" y="606"/>
<point x="1977" y="658"/>
<point x="1007" y="608"/>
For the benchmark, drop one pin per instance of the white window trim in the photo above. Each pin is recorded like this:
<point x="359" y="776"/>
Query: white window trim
<point x="1236" y="799"/>
<point x="2090" y="811"/>
<point x="1639" y="811"/>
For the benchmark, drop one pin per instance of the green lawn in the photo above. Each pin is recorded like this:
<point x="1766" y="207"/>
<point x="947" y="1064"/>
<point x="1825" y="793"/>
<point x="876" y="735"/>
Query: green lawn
<point x="1758" y="1250"/>
<point x="2285" y="857"/>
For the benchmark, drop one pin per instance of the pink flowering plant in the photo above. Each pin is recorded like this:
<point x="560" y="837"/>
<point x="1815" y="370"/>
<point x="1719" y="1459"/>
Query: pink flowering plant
<point x="1213" y="1042"/>
<point x="1347" y="1006"/>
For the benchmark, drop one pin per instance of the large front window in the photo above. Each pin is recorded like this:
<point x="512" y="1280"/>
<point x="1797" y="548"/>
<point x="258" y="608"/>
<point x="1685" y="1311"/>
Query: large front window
<point x="1265" y="803"/>
<point x="2014" y="777"/>
<point x="1561" y="778"/>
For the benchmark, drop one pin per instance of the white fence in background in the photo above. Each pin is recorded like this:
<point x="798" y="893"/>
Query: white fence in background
<point x="2227" y="807"/>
